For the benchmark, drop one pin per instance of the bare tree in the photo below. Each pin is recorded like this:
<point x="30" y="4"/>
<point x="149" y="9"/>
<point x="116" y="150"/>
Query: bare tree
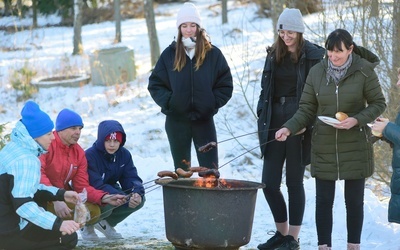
<point x="34" y="13"/>
<point x="117" y="17"/>
<point x="78" y="11"/>
<point x="7" y="7"/>
<point x="224" y="8"/>
<point x="277" y="7"/>
<point x="152" y="31"/>
<point x="20" y="8"/>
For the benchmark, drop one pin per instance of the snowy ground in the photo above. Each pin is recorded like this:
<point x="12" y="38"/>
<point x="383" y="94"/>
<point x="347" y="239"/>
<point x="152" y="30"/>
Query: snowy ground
<point x="243" y="41"/>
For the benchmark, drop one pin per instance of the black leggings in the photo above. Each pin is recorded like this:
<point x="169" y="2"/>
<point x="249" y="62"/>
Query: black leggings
<point x="180" y="135"/>
<point x="276" y="153"/>
<point x="354" y="199"/>
<point x="33" y="237"/>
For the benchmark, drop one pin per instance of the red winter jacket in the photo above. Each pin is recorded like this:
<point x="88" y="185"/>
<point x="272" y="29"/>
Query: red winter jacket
<point x="66" y="167"/>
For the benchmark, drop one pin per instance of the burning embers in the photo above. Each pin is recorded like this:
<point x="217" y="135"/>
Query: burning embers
<point x="211" y="182"/>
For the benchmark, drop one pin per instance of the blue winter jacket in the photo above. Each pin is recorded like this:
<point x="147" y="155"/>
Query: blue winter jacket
<point x="392" y="133"/>
<point x="112" y="173"/>
<point x="20" y="185"/>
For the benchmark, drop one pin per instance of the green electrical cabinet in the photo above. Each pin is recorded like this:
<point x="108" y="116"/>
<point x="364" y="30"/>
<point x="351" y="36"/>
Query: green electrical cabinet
<point x="113" y="65"/>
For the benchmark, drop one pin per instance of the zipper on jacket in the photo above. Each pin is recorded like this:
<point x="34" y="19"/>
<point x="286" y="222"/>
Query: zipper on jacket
<point x="69" y="174"/>
<point x="337" y="132"/>
<point x="192" y="83"/>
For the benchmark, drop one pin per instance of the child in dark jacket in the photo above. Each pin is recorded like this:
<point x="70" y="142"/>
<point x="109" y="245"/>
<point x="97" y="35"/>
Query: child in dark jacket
<point x="111" y="169"/>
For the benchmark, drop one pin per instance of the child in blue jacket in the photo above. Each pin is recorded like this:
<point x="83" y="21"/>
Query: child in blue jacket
<point x="111" y="169"/>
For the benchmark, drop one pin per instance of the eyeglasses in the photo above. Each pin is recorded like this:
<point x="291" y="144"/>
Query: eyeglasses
<point x="288" y="33"/>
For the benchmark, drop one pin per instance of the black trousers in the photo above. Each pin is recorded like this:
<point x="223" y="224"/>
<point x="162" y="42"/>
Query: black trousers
<point x="181" y="134"/>
<point x="276" y="154"/>
<point x="33" y="237"/>
<point x="354" y="199"/>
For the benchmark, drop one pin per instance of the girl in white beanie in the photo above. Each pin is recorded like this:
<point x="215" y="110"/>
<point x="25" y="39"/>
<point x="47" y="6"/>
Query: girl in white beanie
<point x="190" y="82"/>
<point x="286" y="68"/>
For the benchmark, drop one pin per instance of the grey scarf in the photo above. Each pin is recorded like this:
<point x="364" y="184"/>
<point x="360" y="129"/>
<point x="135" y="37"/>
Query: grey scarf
<point x="337" y="72"/>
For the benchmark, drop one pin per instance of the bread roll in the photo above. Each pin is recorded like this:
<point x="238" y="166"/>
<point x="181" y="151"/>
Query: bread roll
<point x="376" y="133"/>
<point x="341" y="116"/>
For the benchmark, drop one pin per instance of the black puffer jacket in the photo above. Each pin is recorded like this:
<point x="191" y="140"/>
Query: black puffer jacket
<point x="340" y="153"/>
<point x="311" y="55"/>
<point x="191" y="94"/>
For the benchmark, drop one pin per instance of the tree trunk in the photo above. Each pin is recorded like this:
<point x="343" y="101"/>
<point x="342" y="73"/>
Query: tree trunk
<point x="276" y="10"/>
<point x="34" y="14"/>
<point x="78" y="11"/>
<point x="117" y="17"/>
<point x="7" y="7"/>
<point x="224" y="13"/>
<point x="20" y="9"/>
<point x="151" y="31"/>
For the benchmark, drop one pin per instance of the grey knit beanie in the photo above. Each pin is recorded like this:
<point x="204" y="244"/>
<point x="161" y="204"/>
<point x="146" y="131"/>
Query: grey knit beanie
<point x="291" y="19"/>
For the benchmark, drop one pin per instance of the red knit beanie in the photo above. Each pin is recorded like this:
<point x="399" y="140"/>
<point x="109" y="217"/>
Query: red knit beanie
<point x="115" y="136"/>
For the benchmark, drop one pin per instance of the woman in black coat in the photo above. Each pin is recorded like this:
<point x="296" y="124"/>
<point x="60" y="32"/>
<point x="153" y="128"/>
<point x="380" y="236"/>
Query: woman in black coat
<point x="190" y="82"/>
<point x="285" y="72"/>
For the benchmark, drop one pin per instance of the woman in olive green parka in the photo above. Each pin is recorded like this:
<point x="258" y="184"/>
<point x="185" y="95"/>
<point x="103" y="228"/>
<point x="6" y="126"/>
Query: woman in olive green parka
<point x="344" y="81"/>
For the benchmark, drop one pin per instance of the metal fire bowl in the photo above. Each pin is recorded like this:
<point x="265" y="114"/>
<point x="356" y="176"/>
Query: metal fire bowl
<point x="208" y="218"/>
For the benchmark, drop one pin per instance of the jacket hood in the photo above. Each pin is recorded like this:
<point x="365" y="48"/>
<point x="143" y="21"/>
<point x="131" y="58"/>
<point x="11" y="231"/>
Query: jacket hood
<point x="312" y="51"/>
<point x="105" y="128"/>
<point x="367" y="55"/>
<point x="173" y="45"/>
<point x="370" y="59"/>
<point x="20" y="135"/>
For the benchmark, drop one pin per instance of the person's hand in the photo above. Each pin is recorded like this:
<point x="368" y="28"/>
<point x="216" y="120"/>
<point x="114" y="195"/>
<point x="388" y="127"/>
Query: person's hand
<point x="379" y="125"/>
<point x="348" y="123"/>
<point x="72" y="197"/>
<point x="282" y="134"/>
<point x="135" y="200"/>
<point x="69" y="227"/>
<point x="62" y="210"/>
<point x="114" y="199"/>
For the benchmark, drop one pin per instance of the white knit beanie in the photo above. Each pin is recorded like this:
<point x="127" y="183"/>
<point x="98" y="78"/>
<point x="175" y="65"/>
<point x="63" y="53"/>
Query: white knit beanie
<point x="291" y="19"/>
<point x="188" y="13"/>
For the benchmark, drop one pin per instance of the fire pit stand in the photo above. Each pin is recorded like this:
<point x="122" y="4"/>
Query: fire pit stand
<point x="208" y="218"/>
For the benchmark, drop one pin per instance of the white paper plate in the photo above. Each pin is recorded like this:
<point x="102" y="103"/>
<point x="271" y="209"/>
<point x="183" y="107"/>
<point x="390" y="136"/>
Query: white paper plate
<point x="328" y="120"/>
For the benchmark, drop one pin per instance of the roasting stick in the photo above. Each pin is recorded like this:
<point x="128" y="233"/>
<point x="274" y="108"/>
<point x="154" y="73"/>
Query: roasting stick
<point x="235" y="137"/>
<point x="251" y="133"/>
<point x="127" y="200"/>
<point x="247" y="151"/>
<point x="207" y="147"/>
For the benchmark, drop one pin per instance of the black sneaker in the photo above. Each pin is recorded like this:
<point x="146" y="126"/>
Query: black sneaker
<point x="289" y="243"/>
<point x="274" y="242"/>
